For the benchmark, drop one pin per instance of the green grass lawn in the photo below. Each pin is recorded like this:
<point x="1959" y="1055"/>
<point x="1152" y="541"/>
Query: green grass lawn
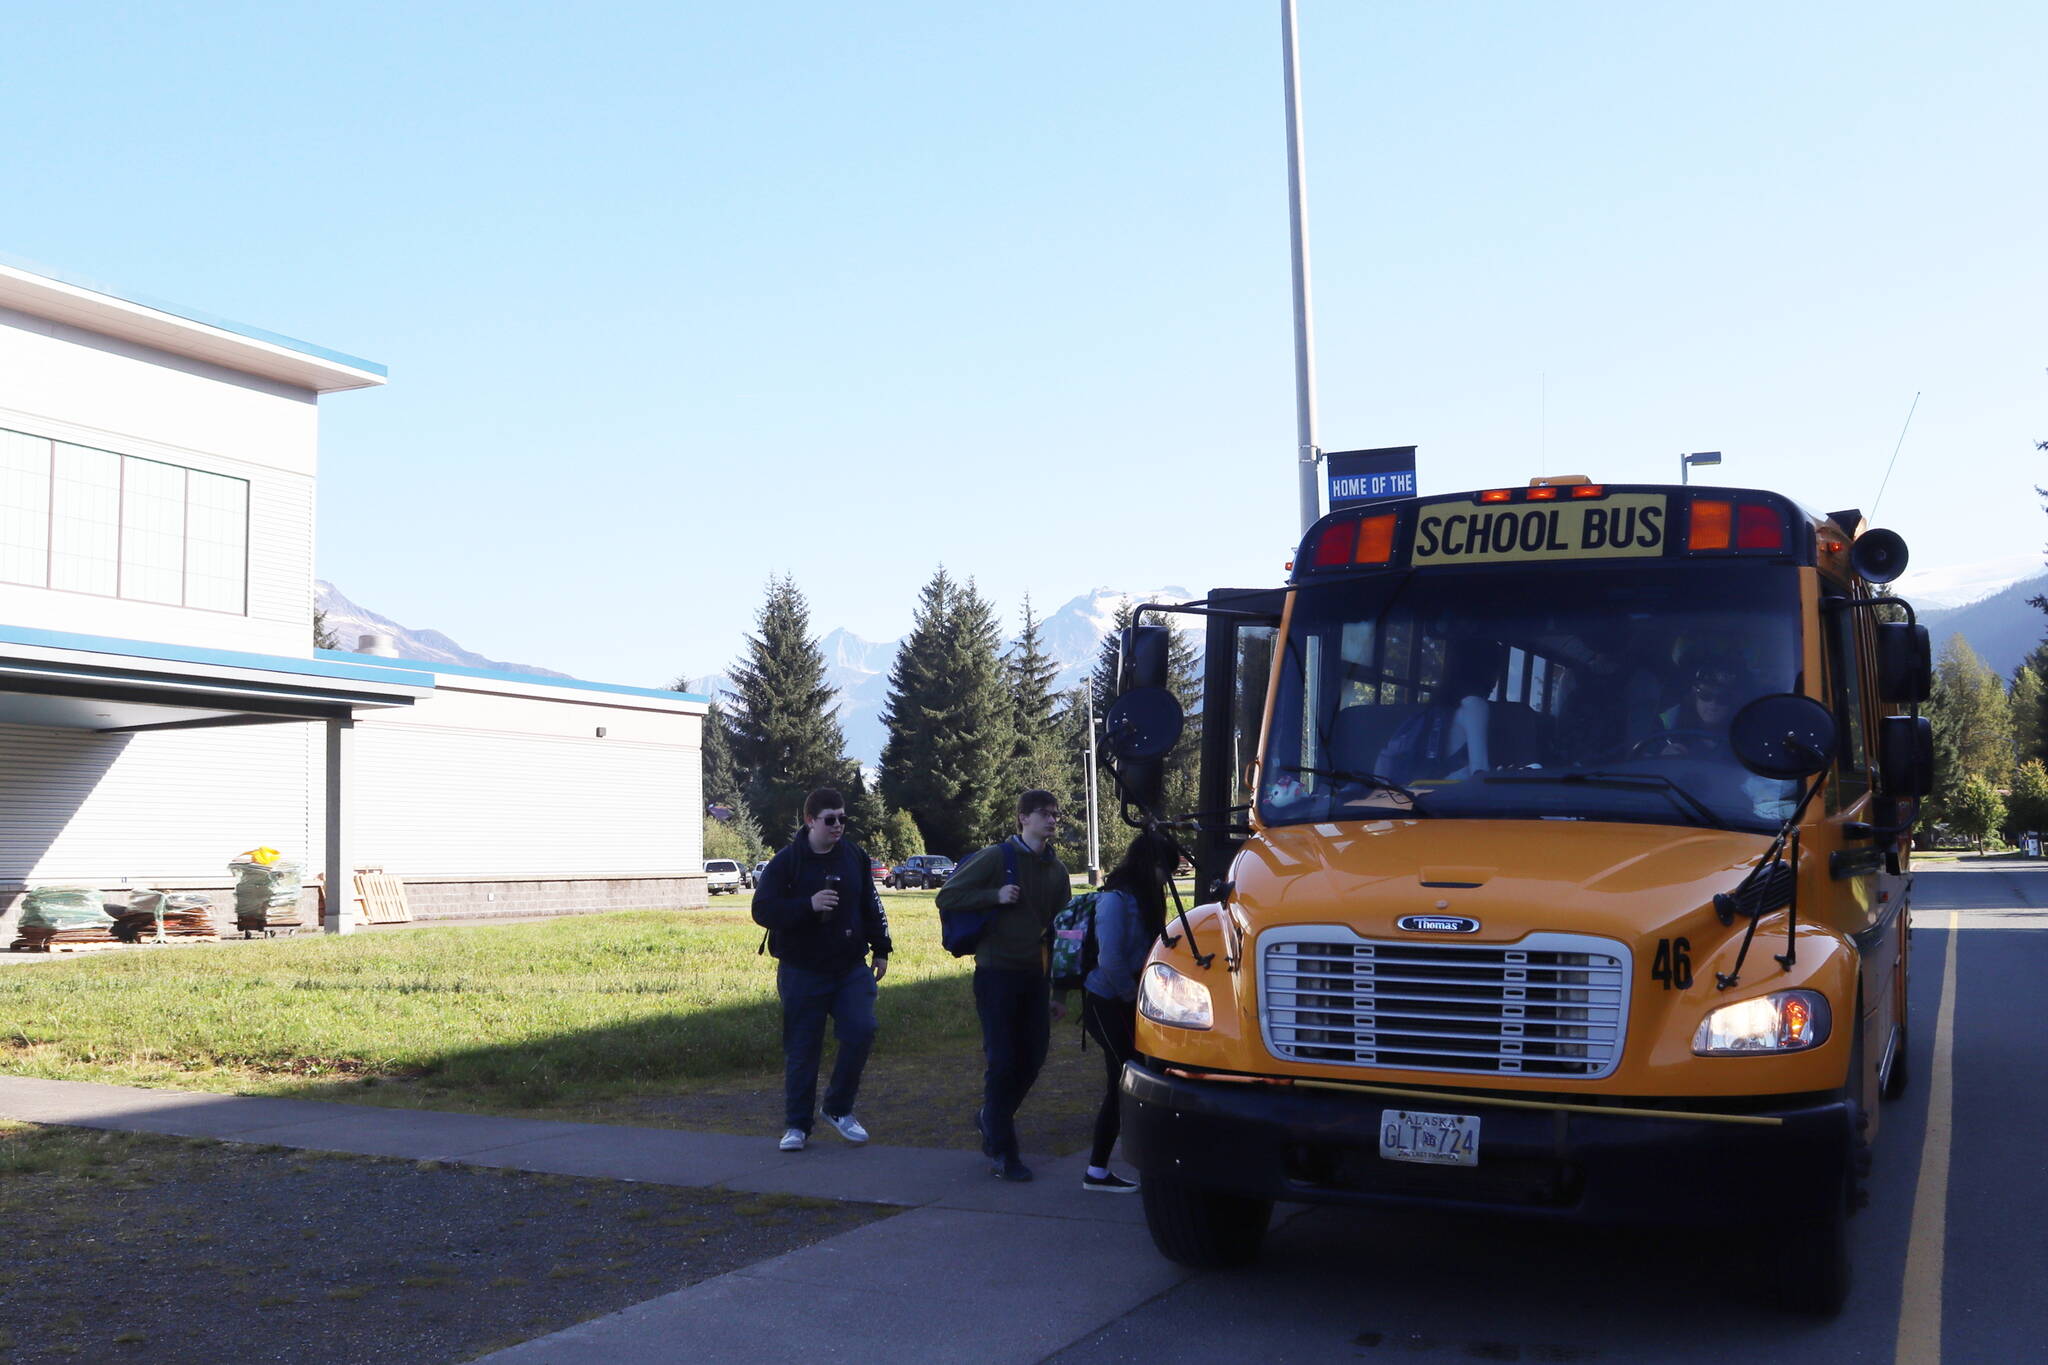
<point x="661" y="1017"/>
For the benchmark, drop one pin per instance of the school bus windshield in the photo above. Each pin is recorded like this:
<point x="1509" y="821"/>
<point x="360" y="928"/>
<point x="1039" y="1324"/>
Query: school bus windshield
<point x="1570" y="693"/>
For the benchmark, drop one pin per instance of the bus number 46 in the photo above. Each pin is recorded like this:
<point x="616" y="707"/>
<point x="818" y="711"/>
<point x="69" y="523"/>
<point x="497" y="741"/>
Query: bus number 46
<point x="1673" y="964"/>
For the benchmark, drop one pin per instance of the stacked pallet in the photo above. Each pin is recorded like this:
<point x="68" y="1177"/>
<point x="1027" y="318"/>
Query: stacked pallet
<point x="54" y="918"/>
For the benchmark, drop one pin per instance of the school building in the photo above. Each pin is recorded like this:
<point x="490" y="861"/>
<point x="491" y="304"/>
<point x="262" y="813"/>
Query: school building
<point x="162" y="707"/>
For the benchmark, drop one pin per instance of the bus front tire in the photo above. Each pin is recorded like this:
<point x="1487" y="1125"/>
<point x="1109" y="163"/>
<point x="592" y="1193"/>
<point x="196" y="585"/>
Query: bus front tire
<point x="1201" y="1228"/>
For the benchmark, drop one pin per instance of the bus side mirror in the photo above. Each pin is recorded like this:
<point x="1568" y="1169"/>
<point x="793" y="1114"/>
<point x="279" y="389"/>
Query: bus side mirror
<point x="1143" y="652"/>
<point x="1784" y="735"/>
<point x="1905" y="667"/>
<point x="1905" y="756"/>
<point x="1141" y="729"/>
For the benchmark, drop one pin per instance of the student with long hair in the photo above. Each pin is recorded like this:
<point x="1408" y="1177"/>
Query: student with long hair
<point x="1130" y="914"/>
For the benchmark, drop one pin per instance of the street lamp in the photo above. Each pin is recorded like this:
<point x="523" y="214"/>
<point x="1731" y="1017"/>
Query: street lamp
<point x="1686" y="462"/>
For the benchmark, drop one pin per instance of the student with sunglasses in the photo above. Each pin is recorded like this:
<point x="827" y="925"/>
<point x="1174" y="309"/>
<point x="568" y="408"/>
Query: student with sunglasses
<point x="818" y="903"/>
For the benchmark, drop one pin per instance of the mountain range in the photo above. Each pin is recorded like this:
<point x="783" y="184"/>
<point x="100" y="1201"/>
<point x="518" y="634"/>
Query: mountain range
<point x="1998" y="623"/>
<point x="859" y="669"/>
<point x="348" y="623"/>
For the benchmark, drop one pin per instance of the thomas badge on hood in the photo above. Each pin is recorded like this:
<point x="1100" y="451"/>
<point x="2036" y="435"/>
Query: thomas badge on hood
<point x="1623" y="526"/>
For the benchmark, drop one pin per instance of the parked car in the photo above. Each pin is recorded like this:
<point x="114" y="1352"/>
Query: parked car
<point x="723" y="874"/>
<point x="759" y="868"/>
<point x="879" y="870"/>
<point x="922" y="869"/>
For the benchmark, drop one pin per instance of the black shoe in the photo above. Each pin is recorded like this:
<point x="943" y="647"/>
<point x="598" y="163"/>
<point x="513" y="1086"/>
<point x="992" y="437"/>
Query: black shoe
<point x="1109" y="1184"/>
<point x="1011" y="1169"/>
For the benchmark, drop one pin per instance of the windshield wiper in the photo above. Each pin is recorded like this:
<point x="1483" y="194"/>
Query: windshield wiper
<point x="1373" y="780"/>
<point x="1655" y="782"/>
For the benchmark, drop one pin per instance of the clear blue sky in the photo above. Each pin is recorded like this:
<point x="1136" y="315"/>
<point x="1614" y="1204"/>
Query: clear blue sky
<point x="675" y="297"/>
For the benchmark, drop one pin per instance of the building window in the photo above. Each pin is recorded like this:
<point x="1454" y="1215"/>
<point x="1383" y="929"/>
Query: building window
<point x="84" y="520"/>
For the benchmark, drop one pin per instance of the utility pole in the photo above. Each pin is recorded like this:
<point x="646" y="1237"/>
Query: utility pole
<point x="1308" y="457"/>
<point x="1094" y="835"/>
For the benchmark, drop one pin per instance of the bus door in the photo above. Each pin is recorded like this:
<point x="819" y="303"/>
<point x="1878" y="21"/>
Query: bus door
<point x="1868" y="896"/>
<point x="1237" y="667"/>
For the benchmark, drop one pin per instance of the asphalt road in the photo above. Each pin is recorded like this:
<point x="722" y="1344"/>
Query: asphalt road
<point x="1951" y="1257"/>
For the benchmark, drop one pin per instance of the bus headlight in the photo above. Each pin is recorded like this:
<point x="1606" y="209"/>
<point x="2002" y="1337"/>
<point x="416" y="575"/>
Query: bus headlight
<point x="1787" y="1021"/>
<point x="1167" y="997"/>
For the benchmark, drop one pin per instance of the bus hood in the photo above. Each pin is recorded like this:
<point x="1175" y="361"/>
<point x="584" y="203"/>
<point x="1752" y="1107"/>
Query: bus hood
<point x="1513" y="877"/>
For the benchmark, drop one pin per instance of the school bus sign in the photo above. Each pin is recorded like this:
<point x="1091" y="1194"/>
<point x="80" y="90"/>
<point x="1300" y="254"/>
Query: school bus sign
<point x="1466" y="532"/>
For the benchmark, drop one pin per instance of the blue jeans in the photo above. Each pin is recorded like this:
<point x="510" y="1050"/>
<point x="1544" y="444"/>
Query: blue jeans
<point x="1016" y="1028"/>
<point x="808" y="999"/>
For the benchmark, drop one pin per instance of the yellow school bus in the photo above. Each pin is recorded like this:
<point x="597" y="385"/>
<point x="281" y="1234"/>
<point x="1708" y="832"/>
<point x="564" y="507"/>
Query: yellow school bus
<point x="1552" y="859"/>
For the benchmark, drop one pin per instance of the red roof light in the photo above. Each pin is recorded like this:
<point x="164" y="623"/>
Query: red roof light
<point x="1333" y="546"/>
<point x="1759" y="528"/>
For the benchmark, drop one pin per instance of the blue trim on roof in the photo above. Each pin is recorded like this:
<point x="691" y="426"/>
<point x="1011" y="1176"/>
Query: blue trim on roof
<point x="499" y="675"/>
<point x="240" y="329"/>
<point x="220" y="658"/>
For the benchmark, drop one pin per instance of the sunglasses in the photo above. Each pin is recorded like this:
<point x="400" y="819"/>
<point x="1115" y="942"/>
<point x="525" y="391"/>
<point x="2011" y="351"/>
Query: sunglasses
<point x="834" y="819"/>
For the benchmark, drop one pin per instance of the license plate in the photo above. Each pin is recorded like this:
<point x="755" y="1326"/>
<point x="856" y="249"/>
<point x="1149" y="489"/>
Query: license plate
<point x="1432" y="1139"/>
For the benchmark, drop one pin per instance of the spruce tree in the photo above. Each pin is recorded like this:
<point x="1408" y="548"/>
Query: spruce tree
<point x="1035" y="760"/>
<point x="949" y="719"/>
<point x="785" y="733"/>
<point x="2026" y="698"/>
<point x="911" y="781"/>
<point x="722" y="781"/>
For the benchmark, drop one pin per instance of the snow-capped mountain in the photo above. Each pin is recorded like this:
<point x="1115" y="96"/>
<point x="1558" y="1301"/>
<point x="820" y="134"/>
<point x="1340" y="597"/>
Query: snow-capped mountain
<point x="348" y="623"/>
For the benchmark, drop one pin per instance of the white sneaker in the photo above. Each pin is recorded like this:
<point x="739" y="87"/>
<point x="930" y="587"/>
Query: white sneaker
<point x="848" y="1127"/>
<point x="793" y="1140"/>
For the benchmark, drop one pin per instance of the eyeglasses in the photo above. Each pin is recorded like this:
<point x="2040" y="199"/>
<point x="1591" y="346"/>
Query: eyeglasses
<point x="833" y="819"/>
<point x="1710" y="691"/>
<point x="1049" y="812"/>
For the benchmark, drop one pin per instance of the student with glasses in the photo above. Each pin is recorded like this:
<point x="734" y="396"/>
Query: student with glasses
<point x="1026" y="885"/>
<point x="818" y="903"/>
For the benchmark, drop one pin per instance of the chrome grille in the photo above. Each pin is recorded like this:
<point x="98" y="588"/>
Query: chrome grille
<point x="1550" y="1005"/>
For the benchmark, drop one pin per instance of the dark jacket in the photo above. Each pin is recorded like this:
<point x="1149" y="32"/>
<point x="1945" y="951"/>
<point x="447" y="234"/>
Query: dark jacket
<point x="798" y="934"/>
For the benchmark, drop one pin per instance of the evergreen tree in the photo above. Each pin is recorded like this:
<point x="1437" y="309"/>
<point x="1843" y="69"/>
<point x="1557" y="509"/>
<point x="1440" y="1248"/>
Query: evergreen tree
<point x="785" y="736"/>
<point x="2025" y="701"/>
<point x="722" y="781"/>
<point x="1972" y="724"/>
<point x="911" y="781"/>
<point x="323" y="634"/>
<point x="2030" y="719"/>
<point x="950" y="721"/>
<point x="1036" y="760"/>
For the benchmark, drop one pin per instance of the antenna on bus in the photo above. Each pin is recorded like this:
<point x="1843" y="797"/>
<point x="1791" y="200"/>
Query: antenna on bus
<point x="1895" y="454"/>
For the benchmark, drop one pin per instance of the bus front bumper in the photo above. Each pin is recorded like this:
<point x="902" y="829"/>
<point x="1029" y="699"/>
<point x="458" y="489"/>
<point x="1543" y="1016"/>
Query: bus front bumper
<point x="1323" y="1146"/>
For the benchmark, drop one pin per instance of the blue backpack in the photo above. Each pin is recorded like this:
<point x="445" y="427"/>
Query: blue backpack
<point x="961" y="931"/>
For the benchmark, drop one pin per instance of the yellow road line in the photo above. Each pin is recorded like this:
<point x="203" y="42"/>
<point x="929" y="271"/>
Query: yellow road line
<point x="1920" y="1302"/>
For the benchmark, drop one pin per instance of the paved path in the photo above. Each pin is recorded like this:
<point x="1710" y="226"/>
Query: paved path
<point x="1950" y="1260"/>
<point x="962" y="1275"/>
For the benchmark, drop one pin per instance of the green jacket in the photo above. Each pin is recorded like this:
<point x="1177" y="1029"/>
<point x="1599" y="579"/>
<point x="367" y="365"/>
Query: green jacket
<point x="1016" y="937"/>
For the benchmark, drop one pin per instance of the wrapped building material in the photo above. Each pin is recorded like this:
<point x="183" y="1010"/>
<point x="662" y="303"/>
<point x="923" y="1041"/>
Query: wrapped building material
<point x="266" y="895"/>
<point x="63" y="914"/>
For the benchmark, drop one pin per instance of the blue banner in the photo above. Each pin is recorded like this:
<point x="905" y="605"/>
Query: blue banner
<point x="1370" y="475"/>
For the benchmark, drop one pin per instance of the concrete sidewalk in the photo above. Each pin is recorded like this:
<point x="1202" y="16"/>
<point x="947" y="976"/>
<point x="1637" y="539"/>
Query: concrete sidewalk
<point x="977" y="1269"/>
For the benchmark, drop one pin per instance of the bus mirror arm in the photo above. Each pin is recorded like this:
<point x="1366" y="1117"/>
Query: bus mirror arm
<point x="1741" y="899"/>
<point x="1153" y="823"/>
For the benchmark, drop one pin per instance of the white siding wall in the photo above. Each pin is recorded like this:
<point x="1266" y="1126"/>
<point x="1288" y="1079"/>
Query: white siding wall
<point x="173" y="805"/>
<point x="69" y="385"/>
<point x="486" y="785"/>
